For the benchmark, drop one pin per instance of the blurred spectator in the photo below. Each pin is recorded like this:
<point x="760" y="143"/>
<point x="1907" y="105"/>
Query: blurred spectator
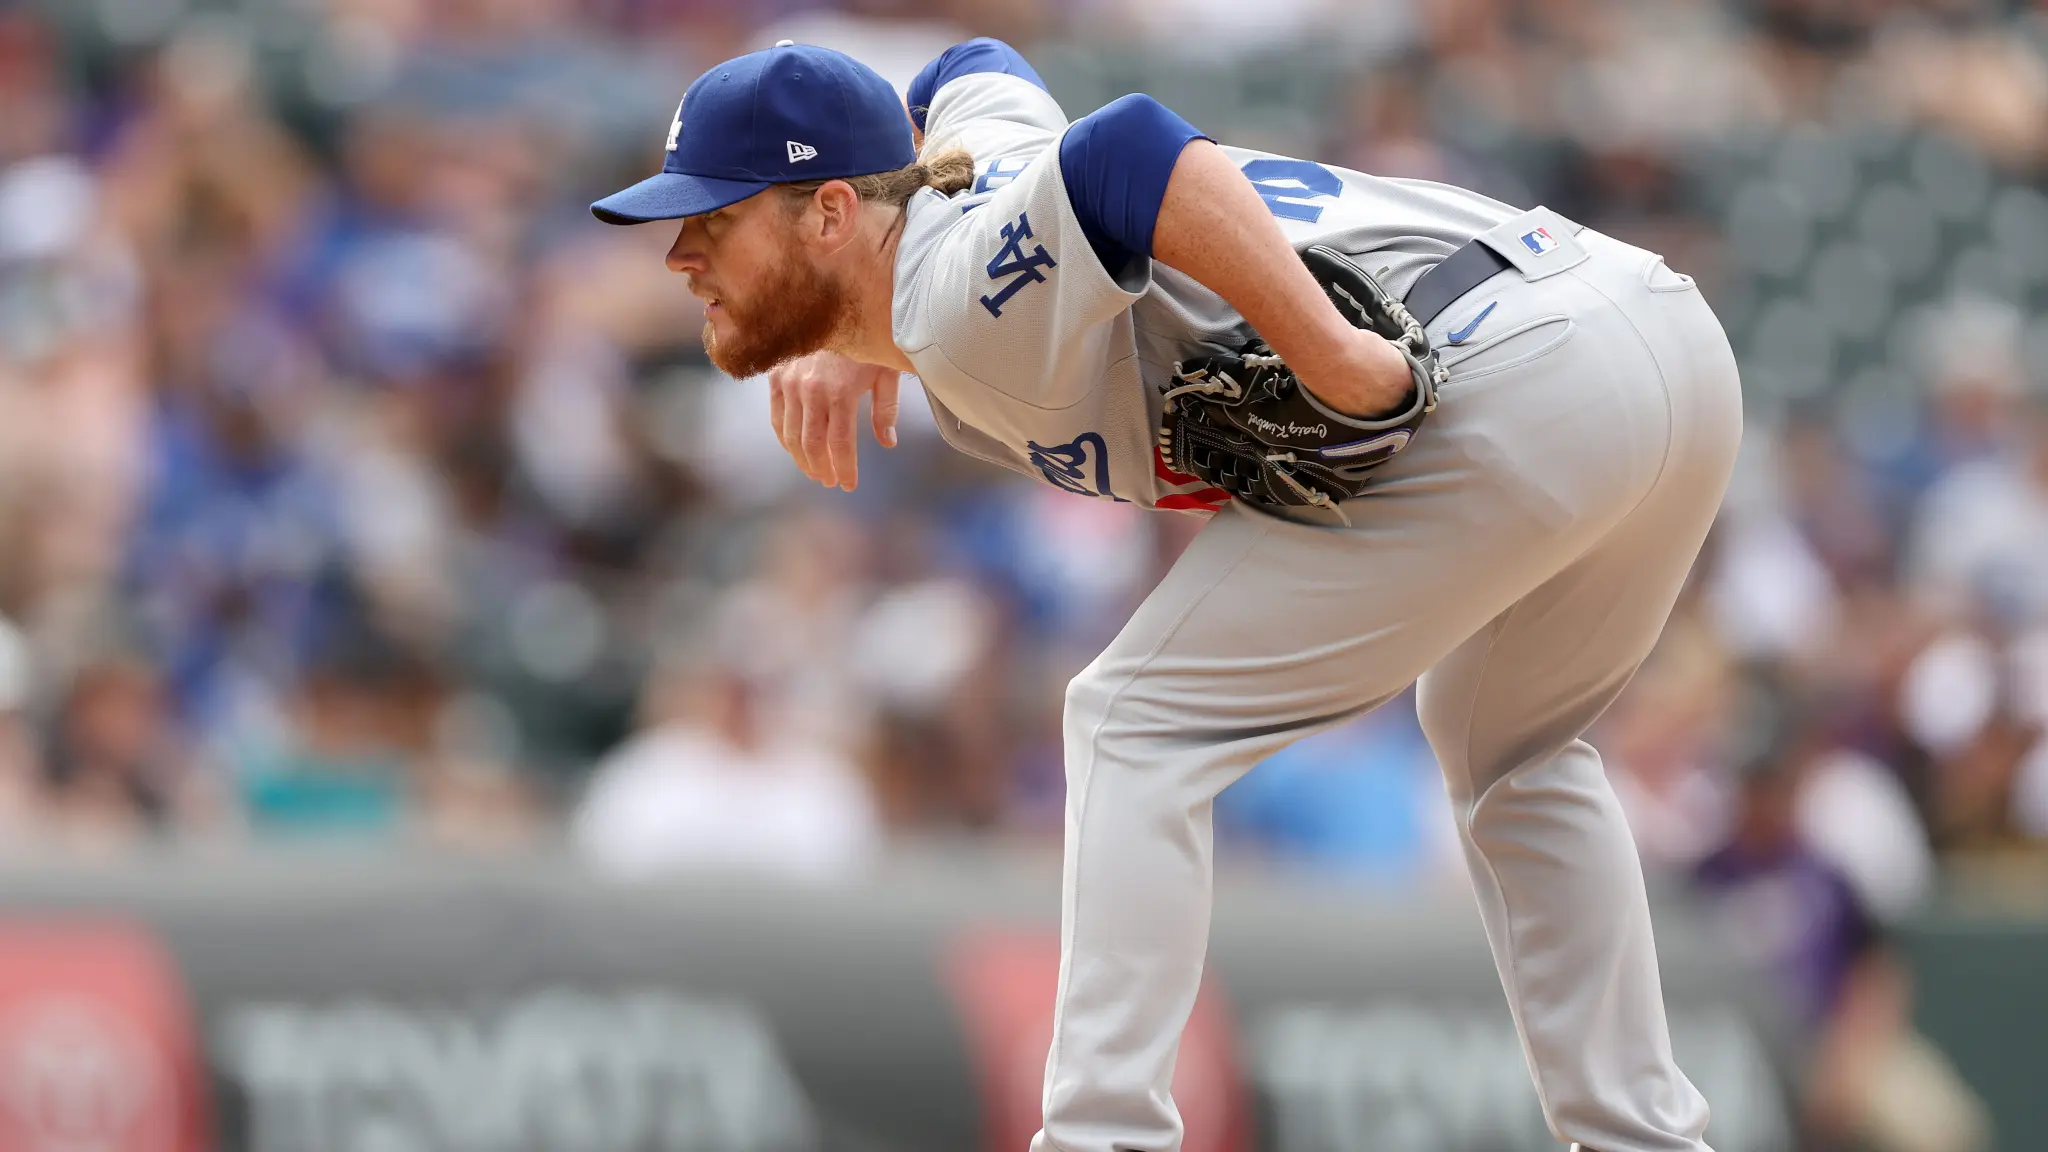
<point x="33" y="88"/>
<point x="390" y="479"/>
<point x="21" y="771"/>
<point x="1662" y="746"/>
<point x="895" y="39"/>
<point x="1958" y="705"/>
<point x="1388" y="132"/>
<point x="470" y="801"/>
<point x="322" y="398"/>
<point x="1871" y="1082"/>
<point x="334" y="759"/>
<point x="931" y="670"/>
<point x="1219" y="26"/>
<point x="1976" y="391"/>
<point x="713" y="782"/>
<point x="1856" y="814"/>
<point x="1833" y="505"/>
<point x="1362" y="800"/>
<point x="370" y="745"/>
<point x="1982" y="534"/>
<point x="1981" y="81"/>
<point x="119" y="772"/>
<point x="795" y="617"/>
<point x="1769" y="594"/>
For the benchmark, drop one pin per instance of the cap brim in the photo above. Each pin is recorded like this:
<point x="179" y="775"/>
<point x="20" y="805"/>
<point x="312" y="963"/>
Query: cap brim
<point x="672" y="196"/>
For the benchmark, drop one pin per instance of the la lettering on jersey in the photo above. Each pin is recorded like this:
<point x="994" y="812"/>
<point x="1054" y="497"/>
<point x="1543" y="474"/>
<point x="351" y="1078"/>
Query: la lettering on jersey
<point x="1012" y="267"/>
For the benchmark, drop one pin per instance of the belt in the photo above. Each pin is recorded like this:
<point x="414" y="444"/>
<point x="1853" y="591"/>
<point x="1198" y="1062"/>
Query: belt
<point x="1459" y="273"/>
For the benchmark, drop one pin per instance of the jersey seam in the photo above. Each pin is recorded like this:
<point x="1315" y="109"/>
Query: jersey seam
<point x="940" y="424"/>
<point x="939" y="346"/>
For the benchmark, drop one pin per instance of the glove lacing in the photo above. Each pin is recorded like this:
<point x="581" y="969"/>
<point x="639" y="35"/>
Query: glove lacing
<point x="1314" y="498"/>
<point x="1222" y="383"/>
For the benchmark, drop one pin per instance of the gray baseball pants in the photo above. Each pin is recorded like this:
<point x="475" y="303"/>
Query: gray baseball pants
<point x="1520" y="559"/>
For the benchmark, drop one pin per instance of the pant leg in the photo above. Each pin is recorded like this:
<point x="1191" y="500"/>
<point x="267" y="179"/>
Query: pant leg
<point x="1552" y="858"/>
<point x="1157" y="726"/>
<point x="1267" y="630"/>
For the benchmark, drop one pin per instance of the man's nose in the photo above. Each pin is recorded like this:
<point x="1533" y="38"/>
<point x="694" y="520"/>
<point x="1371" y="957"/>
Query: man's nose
<point x="682" y="259"/>
<point x="686" y="254"/>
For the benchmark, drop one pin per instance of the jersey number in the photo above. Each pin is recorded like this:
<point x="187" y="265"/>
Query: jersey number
<point x="998" y="172"/>
<point x="1289" y="186"/>
<point x="1010" y="262"/>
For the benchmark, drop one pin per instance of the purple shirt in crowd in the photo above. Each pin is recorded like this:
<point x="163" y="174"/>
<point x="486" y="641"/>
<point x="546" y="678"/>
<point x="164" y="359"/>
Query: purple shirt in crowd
<point x="1792" y="914"/>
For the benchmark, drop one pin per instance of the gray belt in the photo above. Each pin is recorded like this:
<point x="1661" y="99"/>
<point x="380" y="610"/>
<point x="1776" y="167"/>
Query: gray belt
<point x="1459" y="273"/>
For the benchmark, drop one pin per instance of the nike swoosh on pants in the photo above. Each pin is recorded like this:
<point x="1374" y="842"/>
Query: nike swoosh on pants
<point x="1460" y="335"/>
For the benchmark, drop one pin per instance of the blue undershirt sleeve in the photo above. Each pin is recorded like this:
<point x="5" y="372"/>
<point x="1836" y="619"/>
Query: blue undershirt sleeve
<point x="981" y="54"/>
<point x="1116" y="161"/>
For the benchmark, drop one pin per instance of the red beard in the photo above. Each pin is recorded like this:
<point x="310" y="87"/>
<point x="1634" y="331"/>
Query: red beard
<point x="792" y="314"/>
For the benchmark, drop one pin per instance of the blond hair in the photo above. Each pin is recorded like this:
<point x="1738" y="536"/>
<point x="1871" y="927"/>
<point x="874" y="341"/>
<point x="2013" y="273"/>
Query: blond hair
<point x="949" y="171"/>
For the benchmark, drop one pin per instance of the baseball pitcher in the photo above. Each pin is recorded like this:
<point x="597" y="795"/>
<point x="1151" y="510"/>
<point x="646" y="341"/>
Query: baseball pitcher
<point x="1436" y="437"/>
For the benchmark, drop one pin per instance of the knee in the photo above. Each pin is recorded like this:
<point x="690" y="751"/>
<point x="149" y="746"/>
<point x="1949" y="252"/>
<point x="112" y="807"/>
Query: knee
<point x="1088" y="703"/>
<point x="1160" y="752"/>
<point x="1444" y="712"/>
<point x="1113" y="735"/>
<point x="1445" y="717"/>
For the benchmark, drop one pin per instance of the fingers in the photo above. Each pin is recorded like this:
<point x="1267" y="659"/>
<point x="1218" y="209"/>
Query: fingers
<point x="814" y="406"/>
<point x="885" y="407"/>
<point x="816" y="460"/>
<point x="843" y="457"/>
<point x="789" y="423"/>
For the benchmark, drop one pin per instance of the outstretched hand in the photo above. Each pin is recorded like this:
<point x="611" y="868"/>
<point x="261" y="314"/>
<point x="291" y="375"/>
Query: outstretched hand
<point x="814" y="402"/>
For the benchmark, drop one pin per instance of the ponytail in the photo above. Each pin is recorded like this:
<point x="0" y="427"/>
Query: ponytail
<point x="951" y="171"/>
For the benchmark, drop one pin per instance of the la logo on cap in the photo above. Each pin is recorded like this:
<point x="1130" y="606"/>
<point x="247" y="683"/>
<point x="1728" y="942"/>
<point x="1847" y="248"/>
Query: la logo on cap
<point x="675" y="127"/>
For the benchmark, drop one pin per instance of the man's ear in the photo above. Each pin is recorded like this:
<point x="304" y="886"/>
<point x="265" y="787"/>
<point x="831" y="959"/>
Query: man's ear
<point x="836" y="209"/>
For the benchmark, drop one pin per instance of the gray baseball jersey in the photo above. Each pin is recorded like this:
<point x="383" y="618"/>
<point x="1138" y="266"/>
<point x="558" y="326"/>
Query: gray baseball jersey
<point x="1520" y="558"/>
<point x="1034" y="357"/>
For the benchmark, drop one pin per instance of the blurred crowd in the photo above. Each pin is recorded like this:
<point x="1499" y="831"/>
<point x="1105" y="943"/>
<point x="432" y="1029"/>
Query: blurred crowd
<point x="354" y="484"/>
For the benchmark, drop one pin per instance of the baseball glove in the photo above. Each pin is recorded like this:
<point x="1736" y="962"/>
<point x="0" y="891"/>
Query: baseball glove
<point x="1242" y="421"/>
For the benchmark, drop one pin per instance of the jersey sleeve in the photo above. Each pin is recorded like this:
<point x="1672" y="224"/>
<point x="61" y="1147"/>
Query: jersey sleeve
<point x="984" y="98"/>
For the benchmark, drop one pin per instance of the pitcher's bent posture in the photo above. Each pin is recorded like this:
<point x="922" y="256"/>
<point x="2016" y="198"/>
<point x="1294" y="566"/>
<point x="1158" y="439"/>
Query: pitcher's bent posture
<point x="1437" y="438"/>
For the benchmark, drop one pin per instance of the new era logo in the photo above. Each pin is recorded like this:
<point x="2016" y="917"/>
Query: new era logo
<point x="801" y="152"/>
<point x="1539" y="241"/>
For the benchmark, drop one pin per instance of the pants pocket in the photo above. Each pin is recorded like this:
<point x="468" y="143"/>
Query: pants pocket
<point x="1525" y="343"/>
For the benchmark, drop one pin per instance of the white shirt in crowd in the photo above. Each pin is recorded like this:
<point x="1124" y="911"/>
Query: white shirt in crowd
<point x="680" y="798"/>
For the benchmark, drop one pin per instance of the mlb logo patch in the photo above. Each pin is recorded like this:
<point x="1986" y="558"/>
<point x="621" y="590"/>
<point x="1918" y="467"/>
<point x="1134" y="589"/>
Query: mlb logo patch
<point x="1539" y="241"/>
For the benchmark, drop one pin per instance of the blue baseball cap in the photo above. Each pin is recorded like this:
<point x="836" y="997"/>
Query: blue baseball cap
<point x="793" y="112"/>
